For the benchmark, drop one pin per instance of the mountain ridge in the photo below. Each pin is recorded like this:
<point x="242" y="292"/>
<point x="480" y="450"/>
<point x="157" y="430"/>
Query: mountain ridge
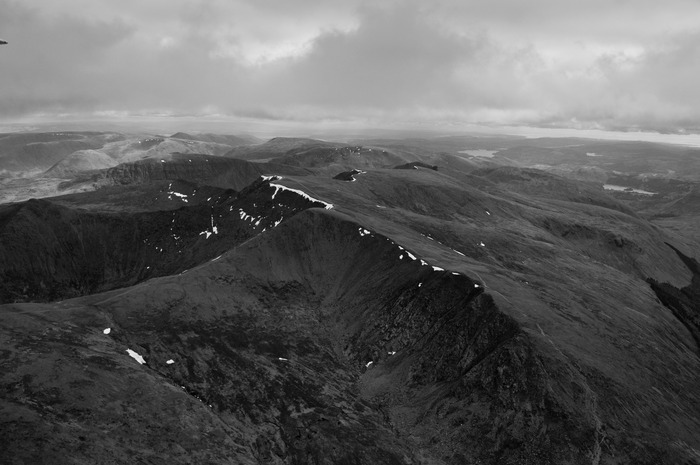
<point x="486" y="312"/>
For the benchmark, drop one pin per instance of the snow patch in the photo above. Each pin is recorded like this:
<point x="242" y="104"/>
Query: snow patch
<point x="279" y="187"/>
<point x="214" y="229"/>
<point x="437" y="268"/>
<point x="481" y="244"/>
<point x="182" y="197"/>
<point x="282" y="359"/>
<point x="244" y="216"/>
<point x="107" y="330"/>
<point x="170" y="362"/>
<point x="369" y="364"/>
<point x="136" y="356"/>
<point x="393" y="352"/>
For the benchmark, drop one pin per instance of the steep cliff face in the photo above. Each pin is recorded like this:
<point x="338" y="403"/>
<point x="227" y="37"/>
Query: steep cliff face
<point x="439" y="360"/>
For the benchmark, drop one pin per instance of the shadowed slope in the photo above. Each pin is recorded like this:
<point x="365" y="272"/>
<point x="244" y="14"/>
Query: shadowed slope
<point x="51" y="251"/>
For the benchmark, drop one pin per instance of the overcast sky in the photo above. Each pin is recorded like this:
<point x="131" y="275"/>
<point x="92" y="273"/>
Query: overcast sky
<point x="610" y="64"/>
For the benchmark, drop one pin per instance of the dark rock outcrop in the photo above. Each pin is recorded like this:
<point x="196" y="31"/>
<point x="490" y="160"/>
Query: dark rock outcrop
<point x="347" y="175"/>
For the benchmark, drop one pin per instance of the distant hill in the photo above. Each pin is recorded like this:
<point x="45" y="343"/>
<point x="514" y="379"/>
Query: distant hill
<point x="40" y="151"/>
<point x="79" y="161"/>
<point x="224" y="139"/>
<point x="278" y="147"/>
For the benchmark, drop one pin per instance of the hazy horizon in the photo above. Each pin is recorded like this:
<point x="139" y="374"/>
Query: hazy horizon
<point x="336" y="130"/>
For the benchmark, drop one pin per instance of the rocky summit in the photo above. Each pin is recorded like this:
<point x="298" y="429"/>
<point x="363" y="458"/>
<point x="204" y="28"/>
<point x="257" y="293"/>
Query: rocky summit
<point x="219" y="299"/>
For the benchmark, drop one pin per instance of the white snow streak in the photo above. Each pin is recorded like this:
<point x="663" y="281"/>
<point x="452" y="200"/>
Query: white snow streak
<point x="107" y="330"/>
<point x="136" y="356"/>
<point x="214" y="229"/>
<point x="279" y="187"/>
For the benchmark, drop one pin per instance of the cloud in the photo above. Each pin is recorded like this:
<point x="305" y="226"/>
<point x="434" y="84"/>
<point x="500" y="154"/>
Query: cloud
<point x="596" y="64"/>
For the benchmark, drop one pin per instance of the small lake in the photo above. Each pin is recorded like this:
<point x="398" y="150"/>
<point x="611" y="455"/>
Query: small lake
<point x="479" y="153"/>
<point x="613" y="187"/>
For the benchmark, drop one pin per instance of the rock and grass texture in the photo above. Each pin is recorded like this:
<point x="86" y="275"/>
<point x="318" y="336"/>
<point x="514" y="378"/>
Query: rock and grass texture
<point x="247" y="307"/>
